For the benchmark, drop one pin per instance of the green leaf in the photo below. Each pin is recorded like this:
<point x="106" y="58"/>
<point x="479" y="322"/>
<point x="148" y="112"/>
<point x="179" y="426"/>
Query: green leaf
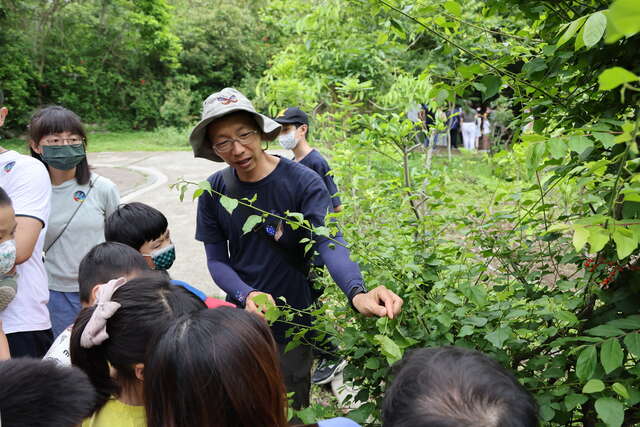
<point x="631" y="322"/>
<point x="571" y="31"/>
<point x="579" y="143"/>
<point x="632" y="342"/>
<point x="573" y="400"/>
<point x="594" y="29"/>
<point x="492" y="85"/>
<point x="389" y="348"/>
<point x="626" y="242"/>
<point x="606" y="139"/>
<point x="587" y="362"/>
<point x="250" y="223"/>
<point x="557" y="147"/>
<point x="499" y="336"/>
<point x="228" y="203"/>
<point x="453" y="8"/>
<point x="623" y="19"/>
<point x="621" y="390"/>
<point x="580" y="237"/>
<point x="598" y="238"/>
<point x="611" y="355"/>
<point x="605" y="331"/>
<point x="593" y="386"/>
<point x="372" y="363"/>
<point x="610" y="410"/>
<point x="614" y="77"/>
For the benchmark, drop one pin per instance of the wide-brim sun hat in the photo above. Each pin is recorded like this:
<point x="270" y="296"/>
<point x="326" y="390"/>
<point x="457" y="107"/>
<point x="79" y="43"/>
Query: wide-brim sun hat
<point x="219" y="104"/>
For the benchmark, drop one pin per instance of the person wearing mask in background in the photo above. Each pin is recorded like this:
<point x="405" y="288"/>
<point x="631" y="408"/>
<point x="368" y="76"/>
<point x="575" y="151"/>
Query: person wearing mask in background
<point x="80" y="203"/>
<point x="293" y="136"/>
<point x="26" y="319"/>
<point x="268" y="260"/>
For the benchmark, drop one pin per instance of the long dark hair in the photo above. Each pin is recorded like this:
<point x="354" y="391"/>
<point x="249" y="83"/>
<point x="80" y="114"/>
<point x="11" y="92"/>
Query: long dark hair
<point x="57" y="119"/>
<point x="215" y="368"/>
<point x="147" y="304"/>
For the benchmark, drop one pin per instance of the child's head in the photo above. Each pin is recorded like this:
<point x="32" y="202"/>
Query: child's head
<point x="7" y="233"/>
<point x="145" y="229"/>
<point x="58" y="139"/>
<point x="104" y="262"/>
<point x="215" y="367"/>
<point x="3" y="109"/>
<point x="37" y="393"/>
<point x="111" y="349"/>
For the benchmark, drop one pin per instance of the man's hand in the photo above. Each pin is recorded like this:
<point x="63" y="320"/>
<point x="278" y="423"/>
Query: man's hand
<point x="259" y="309"/>
<point x="378" y="302"/>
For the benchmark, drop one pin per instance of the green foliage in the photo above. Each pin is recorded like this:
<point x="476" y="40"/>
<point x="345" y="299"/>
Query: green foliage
<point x="127" y="64"/>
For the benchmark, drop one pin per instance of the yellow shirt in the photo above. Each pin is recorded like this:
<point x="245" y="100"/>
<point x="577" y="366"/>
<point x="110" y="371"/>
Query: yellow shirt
<point x="116" y="413"/>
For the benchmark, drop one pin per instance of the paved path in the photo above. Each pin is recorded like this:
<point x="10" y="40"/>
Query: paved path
<point x="145" y="177"/>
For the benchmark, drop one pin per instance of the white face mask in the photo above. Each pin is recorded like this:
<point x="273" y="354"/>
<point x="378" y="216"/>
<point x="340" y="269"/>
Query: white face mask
<point x="7" y="256"/>
<point x="288" y="140"/>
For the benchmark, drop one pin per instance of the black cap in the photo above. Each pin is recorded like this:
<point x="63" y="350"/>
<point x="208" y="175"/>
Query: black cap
<point x="292" y="115"/>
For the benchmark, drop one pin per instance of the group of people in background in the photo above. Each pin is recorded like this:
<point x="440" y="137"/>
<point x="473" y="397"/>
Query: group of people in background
<point x="134" y="347"/>
<point x="464" y="126"/>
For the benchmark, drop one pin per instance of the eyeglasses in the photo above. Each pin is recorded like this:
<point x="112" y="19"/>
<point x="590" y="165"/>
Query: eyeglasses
<point x="63" y="141"/>
<point x="227" y="144"/>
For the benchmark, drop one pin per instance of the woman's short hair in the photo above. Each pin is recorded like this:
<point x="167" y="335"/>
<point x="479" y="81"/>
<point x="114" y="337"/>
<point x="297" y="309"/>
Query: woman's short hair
<point x="57" y="119"/>
<point x="215" y="367"/>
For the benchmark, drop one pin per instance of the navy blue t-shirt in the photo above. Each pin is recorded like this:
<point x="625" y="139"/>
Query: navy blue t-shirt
<point x="315" y="161"/>
<point x="290" y="187"/>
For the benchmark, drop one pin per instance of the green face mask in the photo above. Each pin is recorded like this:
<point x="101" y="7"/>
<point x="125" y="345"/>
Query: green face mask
<point x="63" y="157"/>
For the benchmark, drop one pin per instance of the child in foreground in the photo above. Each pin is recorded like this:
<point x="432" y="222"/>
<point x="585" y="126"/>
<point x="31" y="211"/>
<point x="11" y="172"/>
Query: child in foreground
<point x="8" y="284"/>
<point x="132" y="312"/>
<point x="104" y="262"/>
<point x="217" y="367"/>
<point x="146" y="230"/>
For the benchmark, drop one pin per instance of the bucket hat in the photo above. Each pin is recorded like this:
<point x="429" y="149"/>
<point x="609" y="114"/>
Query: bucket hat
<point x="219" y="104"/>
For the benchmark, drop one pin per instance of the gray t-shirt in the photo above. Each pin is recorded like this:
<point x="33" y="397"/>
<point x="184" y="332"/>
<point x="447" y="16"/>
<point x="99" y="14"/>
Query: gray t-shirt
<point x="85" y="230"/>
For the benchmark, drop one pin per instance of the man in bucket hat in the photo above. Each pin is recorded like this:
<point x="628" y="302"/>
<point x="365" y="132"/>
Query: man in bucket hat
<point x="269" y="259"/>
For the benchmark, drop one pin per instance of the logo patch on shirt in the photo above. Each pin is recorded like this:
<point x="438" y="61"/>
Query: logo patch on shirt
<point x="7" y="168"/>
<point x="79" y="196"/>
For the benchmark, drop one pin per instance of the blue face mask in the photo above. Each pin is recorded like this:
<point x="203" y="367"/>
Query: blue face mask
<point x="163" y="258"/>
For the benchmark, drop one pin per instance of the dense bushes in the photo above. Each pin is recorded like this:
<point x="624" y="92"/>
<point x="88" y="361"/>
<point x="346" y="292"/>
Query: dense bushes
<point x="126" y="64"/>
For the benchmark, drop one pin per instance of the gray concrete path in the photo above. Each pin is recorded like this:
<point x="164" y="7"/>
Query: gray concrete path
<point x="145" y="177"/>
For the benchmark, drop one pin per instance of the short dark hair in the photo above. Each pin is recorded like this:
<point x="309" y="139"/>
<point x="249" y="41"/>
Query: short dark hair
<point x="134" y="224"/>
<point x="107" y="261"/>
<point x="4" y="198"/>
<point x="146" y="304"/>
<point x="57" y="119"/>
<point x="453" y="386"/>
<point x="1" y="98"/>
<point x="41" y="393"/>
<point x="215" y="367"/>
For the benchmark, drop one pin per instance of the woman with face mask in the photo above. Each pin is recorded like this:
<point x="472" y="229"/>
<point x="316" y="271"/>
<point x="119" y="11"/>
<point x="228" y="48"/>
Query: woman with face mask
<point x="80" y="202"/>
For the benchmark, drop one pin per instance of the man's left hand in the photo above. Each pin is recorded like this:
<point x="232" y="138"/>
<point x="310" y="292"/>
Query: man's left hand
<point x="378" y="302"/>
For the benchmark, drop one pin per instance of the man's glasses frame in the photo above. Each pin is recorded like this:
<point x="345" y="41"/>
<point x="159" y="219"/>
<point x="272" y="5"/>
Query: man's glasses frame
<point x="226" y="145"/>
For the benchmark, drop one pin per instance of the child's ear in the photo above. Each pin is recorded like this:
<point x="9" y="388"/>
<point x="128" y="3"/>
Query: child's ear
<point x="139" y="370"/>
<point x="94" y="294"/>
<point x="35" y="147"/>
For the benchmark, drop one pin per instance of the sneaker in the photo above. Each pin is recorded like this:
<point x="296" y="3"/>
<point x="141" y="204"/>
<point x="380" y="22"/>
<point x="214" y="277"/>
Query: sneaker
<point x="327" y="370"/>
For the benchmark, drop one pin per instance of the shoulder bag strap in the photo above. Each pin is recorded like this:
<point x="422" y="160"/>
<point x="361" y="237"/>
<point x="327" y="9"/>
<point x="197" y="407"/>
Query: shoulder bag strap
<point x="91" y="184"/>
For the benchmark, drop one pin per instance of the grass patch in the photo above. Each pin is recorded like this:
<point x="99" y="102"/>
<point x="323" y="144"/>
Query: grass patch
<point x="166" y="139"/>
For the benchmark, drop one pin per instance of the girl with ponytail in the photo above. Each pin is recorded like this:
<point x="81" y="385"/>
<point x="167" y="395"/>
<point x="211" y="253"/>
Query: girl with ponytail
<point x="109" y="341"/>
